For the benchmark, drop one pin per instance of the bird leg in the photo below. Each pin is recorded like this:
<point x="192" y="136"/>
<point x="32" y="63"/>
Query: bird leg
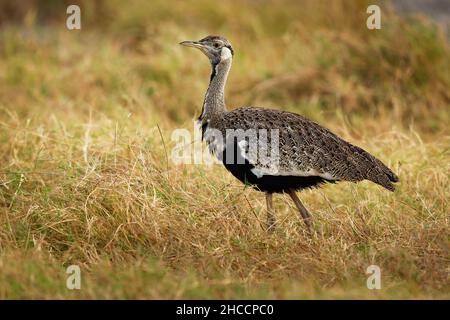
<point x="301" y="208"/>
<point x="270" y="212"/>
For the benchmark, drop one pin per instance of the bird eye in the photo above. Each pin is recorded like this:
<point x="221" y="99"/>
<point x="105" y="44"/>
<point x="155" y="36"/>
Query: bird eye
<point x="216" y="45"/>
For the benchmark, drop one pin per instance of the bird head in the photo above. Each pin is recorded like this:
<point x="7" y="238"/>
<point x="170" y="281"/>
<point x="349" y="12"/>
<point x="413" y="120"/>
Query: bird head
<point x="216" y="48"/>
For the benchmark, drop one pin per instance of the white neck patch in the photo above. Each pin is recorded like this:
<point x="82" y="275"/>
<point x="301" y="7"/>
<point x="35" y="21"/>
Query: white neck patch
<point x="225" y="54"/>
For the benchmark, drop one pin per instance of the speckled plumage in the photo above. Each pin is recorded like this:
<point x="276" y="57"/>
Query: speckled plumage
<point x="306" y="147"/>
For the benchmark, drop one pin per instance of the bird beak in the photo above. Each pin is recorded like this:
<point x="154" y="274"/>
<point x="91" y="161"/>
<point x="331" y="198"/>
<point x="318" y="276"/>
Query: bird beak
<point x="194" y="44"/>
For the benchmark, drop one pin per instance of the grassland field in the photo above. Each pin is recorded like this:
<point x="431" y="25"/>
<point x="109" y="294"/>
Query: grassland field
<point x="86" y="177"/>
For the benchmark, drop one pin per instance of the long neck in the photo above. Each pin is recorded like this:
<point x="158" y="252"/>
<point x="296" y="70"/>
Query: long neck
<point x="214" y="104"/>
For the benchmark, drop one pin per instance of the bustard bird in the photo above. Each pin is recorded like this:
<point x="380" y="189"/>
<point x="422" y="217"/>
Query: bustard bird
<point x="308" y="154"/>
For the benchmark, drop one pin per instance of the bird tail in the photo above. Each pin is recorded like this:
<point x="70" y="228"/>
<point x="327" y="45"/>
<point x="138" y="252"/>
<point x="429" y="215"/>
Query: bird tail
<point x="376" y="171"/>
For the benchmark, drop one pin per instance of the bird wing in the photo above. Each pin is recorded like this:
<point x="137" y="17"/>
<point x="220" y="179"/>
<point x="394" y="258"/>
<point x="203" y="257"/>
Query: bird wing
<point x="304" y="148"/>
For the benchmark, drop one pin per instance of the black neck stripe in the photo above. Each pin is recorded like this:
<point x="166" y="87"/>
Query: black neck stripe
<point x="231" y="49"/>
<point x="213" y="72"/>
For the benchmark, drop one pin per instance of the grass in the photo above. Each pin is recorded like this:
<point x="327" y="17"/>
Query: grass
<point x="86" y="119"/>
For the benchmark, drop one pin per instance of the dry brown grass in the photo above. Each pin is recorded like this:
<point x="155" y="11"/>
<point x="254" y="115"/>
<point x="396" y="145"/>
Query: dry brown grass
<point x="84" y="177"/>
